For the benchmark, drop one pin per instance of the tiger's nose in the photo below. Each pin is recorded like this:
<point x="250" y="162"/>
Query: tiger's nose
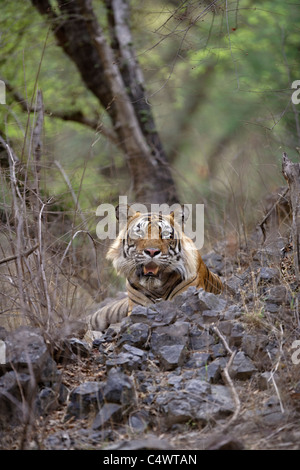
<point x="152" y="252"/>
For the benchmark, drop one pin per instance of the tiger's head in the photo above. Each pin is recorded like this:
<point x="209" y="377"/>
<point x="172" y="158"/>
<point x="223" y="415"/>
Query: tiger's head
<point x="152" y="248"/>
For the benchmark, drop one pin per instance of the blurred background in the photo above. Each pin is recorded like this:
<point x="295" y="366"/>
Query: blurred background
<point x="217" y="81"/>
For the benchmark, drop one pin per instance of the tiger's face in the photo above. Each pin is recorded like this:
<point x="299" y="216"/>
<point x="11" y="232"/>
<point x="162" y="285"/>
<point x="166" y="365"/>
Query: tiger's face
<point x="152" y="248"/>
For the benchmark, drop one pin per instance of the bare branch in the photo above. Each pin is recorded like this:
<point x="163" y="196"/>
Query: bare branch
<point x="23" y="255"/>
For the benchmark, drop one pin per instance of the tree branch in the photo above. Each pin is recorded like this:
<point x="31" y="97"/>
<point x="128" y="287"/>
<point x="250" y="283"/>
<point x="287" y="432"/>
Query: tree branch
<point x="73" y="116"/>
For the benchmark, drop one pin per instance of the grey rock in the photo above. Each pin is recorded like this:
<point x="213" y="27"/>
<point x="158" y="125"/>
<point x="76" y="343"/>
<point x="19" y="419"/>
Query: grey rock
<point x="199" y="340"/>
<point x="139" y="421"/>
<point x="14" y="388"/>
<point x="119" y="388"/>
<point x="272" y="413"/>
<point x="217" y="350"/>
<point x="212" y="372"/>
<point x="27" y="352"/>
<point x="277" y="295"/>
<point x="169" y="335"/>
<point x="108" y="414"/>
<point x="268" y="275"/>
<point x="79" y="347"/>
<point x="47" y="400"/>
<point x="135" y="334"/>
<point x="236" y="334"/>
<point x="210" y="316"/>
<point x="242" y="367"/>
<point x="165" y="313"/>
<point x="202" y="403"/>
<point x="85" y="399"/>
<point x="198" y="387"/>
<point x="175" y="381"/>
<point x="232" y="312"/>
<point x="272" y="308"/>
<point x="198" y="359"/>
<point x="130" y="358"/>
<point x="255" y="346"/>
<point x="141" y="314"/>
<point x="209" y="301"/>
<point x="60" y="440"/>
<point x="171" y="356"/>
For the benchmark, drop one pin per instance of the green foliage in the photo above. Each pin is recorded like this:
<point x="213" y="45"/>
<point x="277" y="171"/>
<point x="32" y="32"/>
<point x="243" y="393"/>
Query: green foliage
<point x="219" y="83"/>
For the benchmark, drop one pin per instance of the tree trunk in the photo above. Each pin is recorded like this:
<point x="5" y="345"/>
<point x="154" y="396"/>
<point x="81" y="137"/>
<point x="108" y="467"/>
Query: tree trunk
<point x="291" y="172"/>
<point x="113" y="75"/>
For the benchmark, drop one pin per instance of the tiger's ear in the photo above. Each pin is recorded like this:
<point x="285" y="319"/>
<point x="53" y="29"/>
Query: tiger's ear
<point x="180" y="214"/>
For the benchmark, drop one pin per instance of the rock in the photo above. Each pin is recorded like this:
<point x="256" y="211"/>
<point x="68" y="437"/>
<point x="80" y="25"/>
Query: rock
<point x="108" y="414"/>
<point x="237" y="334"/>
<point x="27" y="352"/>
<point x="160" y="314"/>
<point x="198" y="359"/>
<point x="169" y="335"/>
<point x="119" y="388"/>
<point x="277" y="295"/>
<point x="208" y="301"/>
<point x="139" y="421"/>
<point x="218" y="350"/>
<point x="210" y="316"/>
<point x="46" y="401"/>
<point x="165" y="313"/>
<point x="171" y="356"/>
<point x="242" y="367"/>
<point x="17" y="392"/>
<point x="79" y="347"/>
<point x="140" y="314"/>
<point x="200" y="402"/>
<point x="169" y="343"/>
<point x="34" y="384"/>
<point x="197" y="386"/>
<point x="268" y="275"/>
<point x="85" y="399"/>
<point x="199" y="340"/>
<point x="130" y="358"/>
<point x="212" y="372"/>
<point x="135" y="334"/>
<point x="255" y="346"/>
<point x="60" y="440"/>
<point x="232" y="312"/>
<point x="272" y="412"/>
<point x="175" y="381"/>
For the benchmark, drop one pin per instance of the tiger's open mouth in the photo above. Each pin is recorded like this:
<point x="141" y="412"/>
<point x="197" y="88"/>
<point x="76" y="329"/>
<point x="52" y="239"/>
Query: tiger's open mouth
<point x="151" y="269"/>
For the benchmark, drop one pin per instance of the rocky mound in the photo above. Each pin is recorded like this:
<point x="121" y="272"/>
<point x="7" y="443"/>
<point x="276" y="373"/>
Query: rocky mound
<point x="202" y="371"/>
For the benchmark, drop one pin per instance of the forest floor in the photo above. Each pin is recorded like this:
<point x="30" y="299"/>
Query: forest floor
<point x="261" y="406"/>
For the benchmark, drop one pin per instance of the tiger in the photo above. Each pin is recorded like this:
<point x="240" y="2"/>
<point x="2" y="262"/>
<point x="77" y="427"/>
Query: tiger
<point x="158" y="260"/>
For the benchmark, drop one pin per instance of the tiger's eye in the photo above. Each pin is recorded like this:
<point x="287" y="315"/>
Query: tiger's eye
<point x="166" y="234"/>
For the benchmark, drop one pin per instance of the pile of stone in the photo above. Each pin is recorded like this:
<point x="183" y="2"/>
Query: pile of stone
<point x="164" y="363"/>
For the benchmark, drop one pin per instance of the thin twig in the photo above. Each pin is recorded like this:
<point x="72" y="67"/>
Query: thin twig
<point x="24" y="255"/>
<point x="228" y="379"/>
